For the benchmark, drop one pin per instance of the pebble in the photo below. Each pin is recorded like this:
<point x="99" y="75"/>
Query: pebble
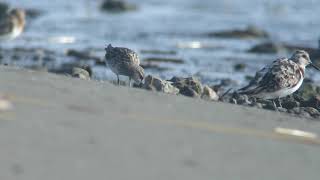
<point x="157" y="84"/>
<point x="80" y="73"/>
<point x="187" y="91"/>
<point x="243" y="99"/>
<point x="239" y="67"/>
<point x="312" y="111"/>
<point x="290" y="103"/>
<point x="117" y="6"/>
<point x="188" y="86"/>
<point x="209" y="94"/>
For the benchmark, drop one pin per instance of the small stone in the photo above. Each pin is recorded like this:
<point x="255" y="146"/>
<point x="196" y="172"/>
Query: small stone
<point x="187" y="91"/>
<point x="185" y="83"/>
<point x="239" y="67"/>
<point x="80" y="73"/>
<point x="312" y="111"/>
<point x="117" y="6"/>
<point x="209" y="94"/>
<point x="157" y="84"/>
<point x="243" y="99"/>
<point x="304" y="114"/>
<point x="281" y="109"/>
<point x="290" y="103"/>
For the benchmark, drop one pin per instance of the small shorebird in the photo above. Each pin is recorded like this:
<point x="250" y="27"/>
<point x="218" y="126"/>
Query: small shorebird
<point x="279" y="79"/>
<point x="12" y="24"/>
<point x="124" y="61"/>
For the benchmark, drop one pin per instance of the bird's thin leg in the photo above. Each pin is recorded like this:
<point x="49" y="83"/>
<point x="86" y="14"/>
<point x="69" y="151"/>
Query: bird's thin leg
<point x="279" y="102"/>
<point x="129" y="81"/>
<point x="118" y="79"/>
<point x="274" y="104"/>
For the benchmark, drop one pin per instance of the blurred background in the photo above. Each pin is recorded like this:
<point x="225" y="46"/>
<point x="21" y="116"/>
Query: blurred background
<point x="215" y="40"/>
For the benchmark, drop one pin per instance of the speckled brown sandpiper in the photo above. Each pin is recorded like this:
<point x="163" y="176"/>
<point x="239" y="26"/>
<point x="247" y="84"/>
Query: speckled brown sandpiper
<point x="124" y="61"/>
<point x="279" y="79"/>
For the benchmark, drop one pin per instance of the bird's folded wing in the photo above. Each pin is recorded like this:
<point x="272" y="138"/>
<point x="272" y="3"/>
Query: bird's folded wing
<point x="125" y="68"/>
<point x="122" y="54"/>
<point x="254" y="83"/>
<point x="270" y="78"/>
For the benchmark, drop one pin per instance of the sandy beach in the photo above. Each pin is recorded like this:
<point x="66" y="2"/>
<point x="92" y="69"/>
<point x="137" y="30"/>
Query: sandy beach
<point x="65" y="128"/>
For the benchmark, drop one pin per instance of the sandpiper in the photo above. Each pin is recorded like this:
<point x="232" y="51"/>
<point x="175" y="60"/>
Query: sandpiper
<point x="12" y="24"/>
<point x="279" y="79"/>
<point x="124" y="61"/>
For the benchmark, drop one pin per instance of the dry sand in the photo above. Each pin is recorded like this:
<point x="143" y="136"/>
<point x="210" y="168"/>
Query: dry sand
<point x="64" y="128"/>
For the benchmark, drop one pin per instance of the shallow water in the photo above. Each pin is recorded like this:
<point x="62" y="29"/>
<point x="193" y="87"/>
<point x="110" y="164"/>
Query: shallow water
<point x="166" y="24"/>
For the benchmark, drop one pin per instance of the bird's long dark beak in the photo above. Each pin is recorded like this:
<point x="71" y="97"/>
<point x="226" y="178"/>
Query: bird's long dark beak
<point x="316" y="67"/>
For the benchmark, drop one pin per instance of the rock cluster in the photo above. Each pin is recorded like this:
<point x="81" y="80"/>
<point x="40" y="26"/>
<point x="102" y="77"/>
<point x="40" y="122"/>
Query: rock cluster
<point x="295" y="104"/>
<point x="304" y="103"/>
<point x="190" y="87"/>
<point x="157" y="84"/>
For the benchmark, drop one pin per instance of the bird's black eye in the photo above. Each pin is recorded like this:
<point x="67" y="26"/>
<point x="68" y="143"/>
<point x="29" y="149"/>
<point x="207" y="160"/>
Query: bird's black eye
<point x="305" y="56"/>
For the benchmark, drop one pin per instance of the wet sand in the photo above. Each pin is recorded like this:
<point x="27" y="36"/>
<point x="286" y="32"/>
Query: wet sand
<point x="65" y="128"/>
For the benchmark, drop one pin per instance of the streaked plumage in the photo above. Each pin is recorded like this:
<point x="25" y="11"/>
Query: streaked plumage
<point x="279" y="79"/>
<point x="123" y="61"/>
<point x="12" y="24"/>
